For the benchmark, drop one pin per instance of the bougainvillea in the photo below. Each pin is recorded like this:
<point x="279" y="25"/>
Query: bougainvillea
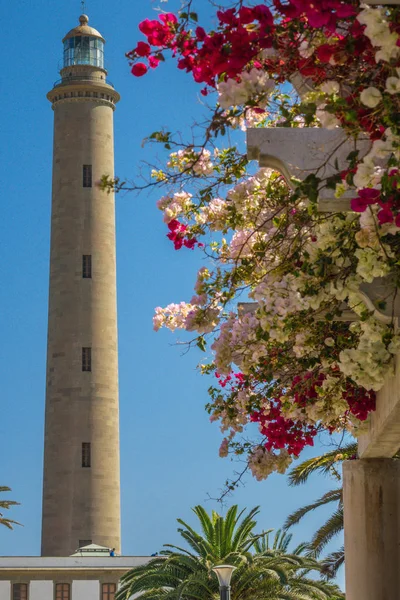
<point x="281" y="277"/>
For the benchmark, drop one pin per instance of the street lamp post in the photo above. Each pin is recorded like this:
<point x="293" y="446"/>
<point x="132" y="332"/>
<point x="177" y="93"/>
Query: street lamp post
<point x="224" y="574"/>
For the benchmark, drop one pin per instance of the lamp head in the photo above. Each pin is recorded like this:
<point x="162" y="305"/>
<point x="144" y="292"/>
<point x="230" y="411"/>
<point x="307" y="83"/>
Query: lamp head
<point x="224" y="574"/>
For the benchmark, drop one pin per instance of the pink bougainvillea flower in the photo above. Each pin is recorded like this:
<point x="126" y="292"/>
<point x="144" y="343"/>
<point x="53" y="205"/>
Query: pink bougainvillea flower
<point x="201" y="34"/>
<point x="365" y="197"/>
<point x="142" y="49"/>
<point x="154" y="61"/>
<point x="263" y="14"/>
<point x="178" y="237"/>
<point x="325" y="52"/>
<point x="361" y="402"/>
<point x="147" y="26"/>
<point x="158" y="34"/>
<point x="246" y="15"/>
<point x="168" y="18"/>
<point x="385" y="215"/>
<point x="227" y="17"/>
<point x="139" y="69"/>
<point x="189" y="243"/>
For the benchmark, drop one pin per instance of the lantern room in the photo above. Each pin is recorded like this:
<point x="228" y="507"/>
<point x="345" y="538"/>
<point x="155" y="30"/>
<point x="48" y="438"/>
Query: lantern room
<point x="84" y="45"/>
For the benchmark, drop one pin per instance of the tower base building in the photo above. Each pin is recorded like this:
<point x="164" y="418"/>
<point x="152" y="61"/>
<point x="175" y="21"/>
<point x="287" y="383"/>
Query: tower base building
<point x="90" y="574"/>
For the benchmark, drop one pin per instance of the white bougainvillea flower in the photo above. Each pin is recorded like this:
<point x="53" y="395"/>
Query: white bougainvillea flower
<point x="255" y="82"/>
<point x="393" y="85"/>
<point x="371" y="97"/>
<point x="326" y="118"/>
<point x="330" y="87"/>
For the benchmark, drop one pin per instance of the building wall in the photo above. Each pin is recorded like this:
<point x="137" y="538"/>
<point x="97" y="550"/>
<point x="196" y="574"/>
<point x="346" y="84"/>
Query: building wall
<point x="82" y="590"/>
<point x="44" y="590"/>
<point x="41" y="590"/>
<point x="86" y="574"/>
<point x="5" y="590"/>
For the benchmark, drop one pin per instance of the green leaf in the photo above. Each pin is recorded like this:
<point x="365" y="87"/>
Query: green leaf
<point x="201" y="343"/>
<point x="352" y="156"/>
<point x="332" y="181"/>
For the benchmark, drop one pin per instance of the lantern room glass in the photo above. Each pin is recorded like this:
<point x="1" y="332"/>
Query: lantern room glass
<point x="84" y="50"/>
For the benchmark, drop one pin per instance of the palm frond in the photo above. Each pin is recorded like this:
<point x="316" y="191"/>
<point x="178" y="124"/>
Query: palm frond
<point x="322" y="464"/>
<point x="245" y="528"/>
<point x="261" y="541"/>
<point x="327" y="531"/>
<point x="205" y="521"/>
<point x="296" y="516"/>
<point x="266" y="570"/>
<point x="5" y="505"/>
<point x="332" y="563"/>
<point x="230" y="524"/>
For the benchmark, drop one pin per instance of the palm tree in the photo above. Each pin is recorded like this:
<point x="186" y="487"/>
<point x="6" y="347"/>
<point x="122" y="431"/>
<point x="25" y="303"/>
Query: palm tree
<point x="264" y="568"/>
<point x="4" y="505"/>
<point x="326" y="464"/>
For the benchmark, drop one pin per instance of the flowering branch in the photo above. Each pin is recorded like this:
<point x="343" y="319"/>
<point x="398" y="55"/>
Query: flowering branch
<point x="283" y="278"/>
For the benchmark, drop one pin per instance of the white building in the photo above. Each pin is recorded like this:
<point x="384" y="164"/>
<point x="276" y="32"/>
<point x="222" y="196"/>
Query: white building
<point x="91" y="574"/>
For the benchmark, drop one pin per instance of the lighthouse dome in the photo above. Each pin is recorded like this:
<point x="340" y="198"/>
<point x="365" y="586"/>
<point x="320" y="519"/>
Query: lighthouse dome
<point x="83" y="29"/>
<point x="84" y="45"/>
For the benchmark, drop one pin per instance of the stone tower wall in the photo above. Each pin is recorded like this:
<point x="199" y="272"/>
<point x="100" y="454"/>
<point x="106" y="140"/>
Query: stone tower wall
<point x="81" y="503"/>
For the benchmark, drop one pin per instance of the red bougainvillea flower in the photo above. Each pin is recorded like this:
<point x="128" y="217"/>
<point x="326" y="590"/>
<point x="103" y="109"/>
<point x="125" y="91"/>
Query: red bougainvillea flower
<point x="283" y="433"/>
<point x="227" y="17"/>
<point x="263" y="14"/>
<point x="178" y="235"/>
<point x="365" y="197"/>
<point x="168" y="18"/>
<point x="319" y="13"/>
<point x="385" y="215"/>
<point x="244" y="33"/>
<point x="139" y="69"/>
<point x="154" y="62"/>
<point x="361" y="402"/>
<point x="201" y="33"/>
<point x="142" y="49"/>
<point x="158" y="34"/>
<point x="147" y="26"/>
<point x="325" y="52"/>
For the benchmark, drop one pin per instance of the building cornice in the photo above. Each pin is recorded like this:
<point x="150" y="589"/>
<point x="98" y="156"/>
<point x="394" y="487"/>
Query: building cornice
<point x="10" y="564"/>
<point x="84" y="90"/>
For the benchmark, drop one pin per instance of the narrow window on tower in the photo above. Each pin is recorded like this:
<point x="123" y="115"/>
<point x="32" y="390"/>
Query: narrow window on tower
<point x="87" y="266"/>
<point x="86" y="359"/>
<point x="86" y="462"/>
<point x="108" y="591"/>
<point x="20" y="591"/>
<point x="63" y="591"/>
<point x="87" y="175"/>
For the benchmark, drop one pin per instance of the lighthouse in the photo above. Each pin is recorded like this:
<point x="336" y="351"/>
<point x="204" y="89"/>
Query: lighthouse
<point x="81" y="486"/>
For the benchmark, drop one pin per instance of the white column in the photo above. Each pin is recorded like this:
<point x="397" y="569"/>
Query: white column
<point x="382" y="437"/>
<point x="371" y="489"/>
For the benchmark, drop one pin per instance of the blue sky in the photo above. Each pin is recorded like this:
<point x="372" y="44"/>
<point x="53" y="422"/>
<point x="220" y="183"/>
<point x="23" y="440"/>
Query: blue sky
<point x="169" y="450"/>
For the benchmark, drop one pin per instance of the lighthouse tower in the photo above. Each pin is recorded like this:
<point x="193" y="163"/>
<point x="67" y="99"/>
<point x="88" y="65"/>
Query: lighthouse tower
<point x="81" y="488"/>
